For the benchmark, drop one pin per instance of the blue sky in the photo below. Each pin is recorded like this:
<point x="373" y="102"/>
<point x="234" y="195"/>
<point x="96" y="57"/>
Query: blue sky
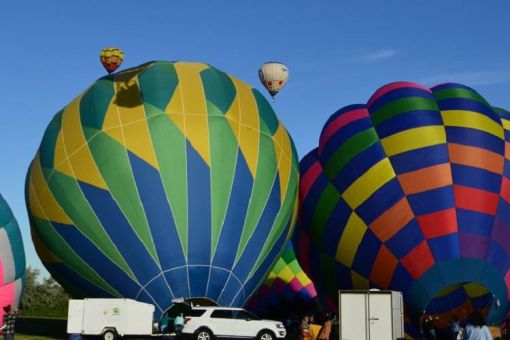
<point x="339" y="52"/>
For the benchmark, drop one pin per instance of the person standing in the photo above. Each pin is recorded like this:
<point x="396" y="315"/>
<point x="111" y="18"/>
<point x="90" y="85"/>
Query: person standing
<point x="179" y="324"/>
<point x="427" y="328"/>
<point x="476" y="328"/>
<point x="163" y="323"/>
<point x="305" y="332"/>
<point x="9" y="323"/>
<point x="325" y="331"/>
<point x="455" y="328"/>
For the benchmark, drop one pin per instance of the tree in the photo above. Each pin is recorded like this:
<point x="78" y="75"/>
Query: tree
<point x="46" y="298"/>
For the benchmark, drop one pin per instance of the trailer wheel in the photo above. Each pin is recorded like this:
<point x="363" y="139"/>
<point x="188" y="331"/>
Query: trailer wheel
<point x="110" y="335"/>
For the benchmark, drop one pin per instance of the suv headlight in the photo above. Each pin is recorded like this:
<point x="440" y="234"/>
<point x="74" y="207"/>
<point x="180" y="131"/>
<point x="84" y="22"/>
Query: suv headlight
<point x="279" y="325"/>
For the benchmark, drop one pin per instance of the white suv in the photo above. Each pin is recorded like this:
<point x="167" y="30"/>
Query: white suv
<point x="207" y="323"/>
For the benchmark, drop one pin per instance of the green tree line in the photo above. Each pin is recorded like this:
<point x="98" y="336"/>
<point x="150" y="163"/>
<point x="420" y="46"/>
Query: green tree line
<point x="43" y="298"/>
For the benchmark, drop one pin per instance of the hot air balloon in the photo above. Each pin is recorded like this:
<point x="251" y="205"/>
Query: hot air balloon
<point x="273" y="76"/>
<point x="168" y="180"/>
<point x="111" y="58"/>
<point x="12" y="259"/>
<point x="411" y="192"/>
<point x="287" y="290"/>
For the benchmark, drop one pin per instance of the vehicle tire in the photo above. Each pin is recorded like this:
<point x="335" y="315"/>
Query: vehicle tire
<point x="266" y="335"/>
<point x="204" y="334"/>
<point x="110" y="335"/>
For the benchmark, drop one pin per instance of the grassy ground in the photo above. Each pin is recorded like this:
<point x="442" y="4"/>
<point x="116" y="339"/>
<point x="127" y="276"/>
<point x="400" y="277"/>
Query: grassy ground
<point x="30" y="337"/>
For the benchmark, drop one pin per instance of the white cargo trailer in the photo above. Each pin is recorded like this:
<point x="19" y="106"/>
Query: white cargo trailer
<point x="371" y="315"/>
<point x="109" y="317"/>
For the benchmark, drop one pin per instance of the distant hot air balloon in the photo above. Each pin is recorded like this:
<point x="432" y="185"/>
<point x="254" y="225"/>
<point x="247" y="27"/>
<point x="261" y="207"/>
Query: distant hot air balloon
<point x="168" y="180"/>
<point x="12" y="259"/>
<point x="273" y="76"/>
<point x="111" y="58"/>
<point x="411" y="192"/>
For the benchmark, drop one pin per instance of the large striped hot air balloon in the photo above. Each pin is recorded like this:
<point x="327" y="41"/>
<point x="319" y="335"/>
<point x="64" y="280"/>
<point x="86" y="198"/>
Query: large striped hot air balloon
<point x="12" y="259"/>
<point x="164" y="181"/>
<point x="287" y="290"/>
<point x="411" y="192"/>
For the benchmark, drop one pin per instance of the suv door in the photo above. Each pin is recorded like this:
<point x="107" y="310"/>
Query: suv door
<point x="223" y="323"/>
<point x="246" y="323"/>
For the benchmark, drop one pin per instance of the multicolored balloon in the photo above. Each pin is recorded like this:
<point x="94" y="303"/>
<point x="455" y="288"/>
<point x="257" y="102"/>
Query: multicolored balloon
<point x="12" y="259"/>
<point x="111" y="58"/>
<point x="163" y="181"/>
<point x="287" y="290"/>
<point x="464" y="298"/>
<point x="411" y="192"/>
<point x="273" y="76"/>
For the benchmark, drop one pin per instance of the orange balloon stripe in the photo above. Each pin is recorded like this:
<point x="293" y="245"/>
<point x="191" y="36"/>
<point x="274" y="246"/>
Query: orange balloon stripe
<point x="476" y="157"/>
<point x="391" y="221"/>
<point x="384" y="267"/>
<point x="433" y="177"/>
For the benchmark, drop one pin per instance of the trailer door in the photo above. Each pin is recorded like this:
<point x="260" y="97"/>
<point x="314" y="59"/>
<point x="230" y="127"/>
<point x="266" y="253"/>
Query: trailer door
<point x="379" y="311"/>
<point x="353" y="316"/>
<point x="75" y="317"/>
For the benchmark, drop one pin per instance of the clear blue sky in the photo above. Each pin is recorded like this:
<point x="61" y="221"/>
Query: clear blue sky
<point x="339" y="52"/>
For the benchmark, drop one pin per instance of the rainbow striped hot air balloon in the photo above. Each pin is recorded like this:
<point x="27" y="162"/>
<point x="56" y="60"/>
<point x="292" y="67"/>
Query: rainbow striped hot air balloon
<point x="287" y="290"/>
<point x="12" y="259"/>
<point x="164" y="181"/>
<point x="411" y="192"/>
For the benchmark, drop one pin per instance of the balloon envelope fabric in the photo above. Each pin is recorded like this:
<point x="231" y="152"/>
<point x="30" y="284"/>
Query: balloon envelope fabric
<point x="12" y="259"/>
<point x="287" y="290"/>
<point x="410" y="192"/>
<point x="163" y="181"/>
<point x="460" y="300"/>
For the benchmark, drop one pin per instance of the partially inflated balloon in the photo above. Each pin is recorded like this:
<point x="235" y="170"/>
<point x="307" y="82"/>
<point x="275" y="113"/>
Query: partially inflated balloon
<point x="287" y="290"/>
<point x="460" y="300"/>
<point x="411" y="192"/>
<point x="12" y="259"/>
<point x="111" y="58"/>
<point x="273" y="76"/>
<point x="163" y="181"/>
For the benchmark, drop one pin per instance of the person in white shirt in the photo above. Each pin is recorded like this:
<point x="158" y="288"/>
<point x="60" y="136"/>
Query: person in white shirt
<point x="476" y="328"/>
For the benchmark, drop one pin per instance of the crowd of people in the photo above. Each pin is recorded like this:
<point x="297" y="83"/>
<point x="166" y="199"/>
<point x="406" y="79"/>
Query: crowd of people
<point x="318" y="326"/>
<point x="168" y="325"/>
<point x="474" y="328"/>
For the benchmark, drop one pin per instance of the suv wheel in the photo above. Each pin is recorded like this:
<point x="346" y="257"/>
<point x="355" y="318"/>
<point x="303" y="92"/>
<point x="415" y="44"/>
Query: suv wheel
<point x="203" y="334"/>
<point x="266" y="335"/>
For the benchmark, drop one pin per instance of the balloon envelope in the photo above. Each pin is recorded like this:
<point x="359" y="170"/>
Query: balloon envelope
<point x="287" y="290"/>
<point x="169" y="180"/>
<point x="111" y="58"/>
<point x="411" y="192"/>
<point x="273" y="76"/>
<point x="12" y="259"/>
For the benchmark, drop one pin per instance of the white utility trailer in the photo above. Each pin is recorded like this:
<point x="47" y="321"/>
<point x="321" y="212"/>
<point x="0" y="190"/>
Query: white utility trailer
<point x="371" y="315"/>
<point x="110" y="318"/>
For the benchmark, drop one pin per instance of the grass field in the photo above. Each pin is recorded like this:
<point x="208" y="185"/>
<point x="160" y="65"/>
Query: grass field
<point x="30" y="337"/>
